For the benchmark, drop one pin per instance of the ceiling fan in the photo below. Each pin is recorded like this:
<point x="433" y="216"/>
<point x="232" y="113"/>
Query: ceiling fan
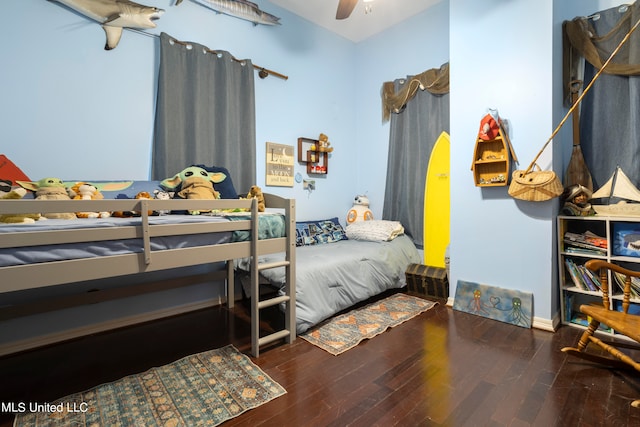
<point x="345" y="7"/>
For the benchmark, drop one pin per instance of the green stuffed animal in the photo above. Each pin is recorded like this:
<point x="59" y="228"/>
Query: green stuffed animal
<point x="49" y="189"/>
<point x="56" y="189"/>
<point x="194" y="183"/>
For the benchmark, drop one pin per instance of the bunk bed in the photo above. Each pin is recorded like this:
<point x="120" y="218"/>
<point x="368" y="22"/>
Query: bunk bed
<point x="148" y="243"/>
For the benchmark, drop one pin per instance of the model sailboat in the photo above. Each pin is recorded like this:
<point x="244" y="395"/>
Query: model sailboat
<point x="620" y="186"/>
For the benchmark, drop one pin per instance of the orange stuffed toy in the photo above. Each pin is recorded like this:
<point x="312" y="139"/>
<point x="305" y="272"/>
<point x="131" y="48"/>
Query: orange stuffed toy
<point x="86" y="191"/>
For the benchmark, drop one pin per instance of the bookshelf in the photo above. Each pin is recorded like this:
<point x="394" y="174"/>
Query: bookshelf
<point x="596" y="237"/>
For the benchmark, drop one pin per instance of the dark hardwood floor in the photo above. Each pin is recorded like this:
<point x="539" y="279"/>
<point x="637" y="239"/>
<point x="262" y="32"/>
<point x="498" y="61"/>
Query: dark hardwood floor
<point x="442" y="368"/>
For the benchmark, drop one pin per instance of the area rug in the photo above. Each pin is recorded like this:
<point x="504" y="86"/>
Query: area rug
<point x="203" y="389"/>
<point x="341" y="333"/>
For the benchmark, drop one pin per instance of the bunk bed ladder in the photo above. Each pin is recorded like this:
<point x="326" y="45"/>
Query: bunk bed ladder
<point x="289" y="331"/>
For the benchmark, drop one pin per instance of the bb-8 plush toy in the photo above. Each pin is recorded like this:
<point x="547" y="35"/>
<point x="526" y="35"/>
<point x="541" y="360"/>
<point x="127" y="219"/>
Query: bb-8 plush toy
<point x="360" y="210"/>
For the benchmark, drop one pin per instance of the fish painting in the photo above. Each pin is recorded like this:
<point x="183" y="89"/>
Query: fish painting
<point x="242" y="9"/>
<point x="114" y="15"/>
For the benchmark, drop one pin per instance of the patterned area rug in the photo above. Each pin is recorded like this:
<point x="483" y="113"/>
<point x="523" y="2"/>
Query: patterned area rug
<point x="203" y="389"/>
<point x="341" y="333"/>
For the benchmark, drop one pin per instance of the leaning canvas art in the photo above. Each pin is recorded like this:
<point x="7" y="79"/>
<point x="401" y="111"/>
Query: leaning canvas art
<point x="505" y="305"/>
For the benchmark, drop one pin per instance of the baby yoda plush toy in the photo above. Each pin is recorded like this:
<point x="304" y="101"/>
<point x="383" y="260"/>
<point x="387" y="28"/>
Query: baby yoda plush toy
<point x="49" y="189"/>
<point x="18" y="193"/>
<point x="194" y="183"/>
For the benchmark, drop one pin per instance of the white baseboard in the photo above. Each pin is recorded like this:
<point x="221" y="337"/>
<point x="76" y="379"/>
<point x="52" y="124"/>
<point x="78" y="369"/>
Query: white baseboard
<point x="550" y="325"/>
<point x="545" y="324"/>
<point x="39" y="341"/>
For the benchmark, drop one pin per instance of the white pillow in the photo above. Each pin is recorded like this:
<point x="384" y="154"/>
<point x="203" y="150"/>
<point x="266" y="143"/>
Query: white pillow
<point x="374" y="230"/>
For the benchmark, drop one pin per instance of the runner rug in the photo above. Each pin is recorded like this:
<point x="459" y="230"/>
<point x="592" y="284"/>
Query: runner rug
<point x="203" y="389"/>
<point x="341" y="333"/>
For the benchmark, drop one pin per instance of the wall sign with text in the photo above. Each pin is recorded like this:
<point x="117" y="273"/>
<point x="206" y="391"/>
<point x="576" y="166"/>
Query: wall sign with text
<point x="279" y="165"/>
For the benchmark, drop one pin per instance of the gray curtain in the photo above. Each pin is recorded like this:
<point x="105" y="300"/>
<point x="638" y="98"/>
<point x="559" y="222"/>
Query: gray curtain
<point x="610" y="111"/>
<point x="413" y="133"/>
<point x="205" y="112"/>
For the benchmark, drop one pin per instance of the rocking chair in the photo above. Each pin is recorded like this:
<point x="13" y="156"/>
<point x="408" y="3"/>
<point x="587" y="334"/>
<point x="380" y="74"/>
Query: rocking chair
<point x="622" y="322"/>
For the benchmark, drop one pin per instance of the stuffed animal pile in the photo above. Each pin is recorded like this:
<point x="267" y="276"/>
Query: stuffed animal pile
<point x="127" y="214"/>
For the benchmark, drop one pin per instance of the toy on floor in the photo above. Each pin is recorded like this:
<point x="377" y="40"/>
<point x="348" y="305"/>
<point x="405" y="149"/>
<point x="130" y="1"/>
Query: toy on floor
<point x="256" y="193"/>
<point x="194" y="183"/>
<point x="17" y="218"/>
<point x="49" y="189"/>
<point x="360" y="210"/>
<point x="86" y="191"/>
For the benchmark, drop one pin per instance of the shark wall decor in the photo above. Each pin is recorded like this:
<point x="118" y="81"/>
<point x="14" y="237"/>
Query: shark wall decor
<point x="114" y="15"/>
<point x="242" y="9"/>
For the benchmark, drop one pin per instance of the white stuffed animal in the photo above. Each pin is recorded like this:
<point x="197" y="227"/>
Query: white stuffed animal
<point x="360" y="210"/>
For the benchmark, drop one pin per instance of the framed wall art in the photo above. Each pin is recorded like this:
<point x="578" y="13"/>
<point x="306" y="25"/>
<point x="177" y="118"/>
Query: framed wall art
<point x="279" y="165"/>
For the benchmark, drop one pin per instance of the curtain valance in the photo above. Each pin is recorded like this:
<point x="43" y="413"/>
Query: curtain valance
<point x="581" y="40"/>
<point x="435" y="81"/>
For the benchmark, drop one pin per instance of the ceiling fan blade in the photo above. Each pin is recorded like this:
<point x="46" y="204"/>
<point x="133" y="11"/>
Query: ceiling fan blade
<point x="345" y="7"/>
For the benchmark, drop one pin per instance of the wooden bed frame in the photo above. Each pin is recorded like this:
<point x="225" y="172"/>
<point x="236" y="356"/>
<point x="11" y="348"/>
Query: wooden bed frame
<point x="39" y="275"/>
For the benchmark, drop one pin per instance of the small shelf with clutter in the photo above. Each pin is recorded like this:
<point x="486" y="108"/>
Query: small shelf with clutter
<point x="491" y="157"/>
<point x="315" y="154"/>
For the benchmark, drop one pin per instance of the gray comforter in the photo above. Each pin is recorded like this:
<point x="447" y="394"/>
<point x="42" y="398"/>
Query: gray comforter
<point x="334" y="276"/>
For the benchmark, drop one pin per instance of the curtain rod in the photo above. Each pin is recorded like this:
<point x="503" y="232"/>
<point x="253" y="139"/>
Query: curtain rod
<point x="262" y="72"/>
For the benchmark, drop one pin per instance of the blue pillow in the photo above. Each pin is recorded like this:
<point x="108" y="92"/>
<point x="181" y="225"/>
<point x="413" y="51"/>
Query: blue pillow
<point x="225" y="188"/>
<point x="318" y="232"/>
<point x="131" y="191"/>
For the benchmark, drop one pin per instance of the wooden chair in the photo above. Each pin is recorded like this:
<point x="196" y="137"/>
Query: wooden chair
<point x="622" y="322"/>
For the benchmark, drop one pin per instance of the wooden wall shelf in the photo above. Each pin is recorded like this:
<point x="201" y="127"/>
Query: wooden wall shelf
<point x="315" y="157"/>
<point x="491" y="162"/>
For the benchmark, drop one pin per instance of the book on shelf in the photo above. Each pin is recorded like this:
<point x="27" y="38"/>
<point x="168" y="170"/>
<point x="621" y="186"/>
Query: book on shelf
<point x="583" y="251"/>
<point x="587" y="242"/>
<point x="586" y="278"/>
<point x="595" y="279"/>
<point x="582" y="277"/>
<point x="635" y="284"/>
<point x="568" y="307"/>
<point x="584" y="320"/>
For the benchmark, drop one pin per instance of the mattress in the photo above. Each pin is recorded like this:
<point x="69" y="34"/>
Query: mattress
<point x="270" y="225"/>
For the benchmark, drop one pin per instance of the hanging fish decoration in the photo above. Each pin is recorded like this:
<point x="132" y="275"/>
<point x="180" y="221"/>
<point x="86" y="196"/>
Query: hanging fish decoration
<point x="114" y="15"/>
<point x="242" y="9"/>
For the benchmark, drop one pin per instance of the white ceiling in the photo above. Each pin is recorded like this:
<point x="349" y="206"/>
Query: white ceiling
<point x="360" y="25"/>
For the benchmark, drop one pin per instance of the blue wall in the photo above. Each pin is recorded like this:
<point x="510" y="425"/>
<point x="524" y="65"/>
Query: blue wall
<point x="68" y="102"/>
<point x="409" y="48"/>
<point x="72" y="110"/>
<point x="507" y="55"/>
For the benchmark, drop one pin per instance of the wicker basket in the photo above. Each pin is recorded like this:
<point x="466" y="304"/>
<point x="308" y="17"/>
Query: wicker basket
<point x="535" y="186"/>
